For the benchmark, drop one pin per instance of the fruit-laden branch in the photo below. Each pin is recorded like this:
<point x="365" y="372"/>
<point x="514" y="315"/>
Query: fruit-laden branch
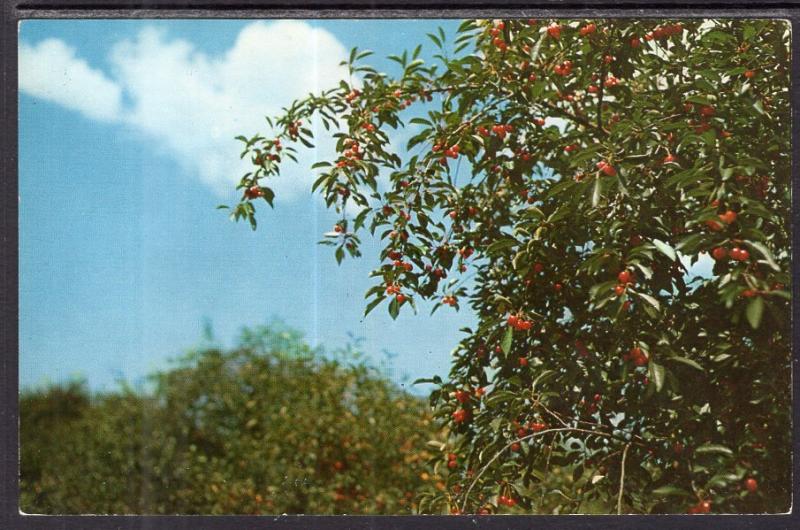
<point x="522" y="439"/>
<point x="550" y="106"/>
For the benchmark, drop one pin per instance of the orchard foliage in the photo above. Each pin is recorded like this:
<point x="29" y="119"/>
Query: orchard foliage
<point x="560" y="177"/>
<point x="268" y="427"/>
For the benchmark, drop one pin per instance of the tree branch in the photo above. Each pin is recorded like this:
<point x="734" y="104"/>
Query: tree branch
<point x="622" y="479"/>
<point x="523" y="438"/>
<point x="573" y="117"/>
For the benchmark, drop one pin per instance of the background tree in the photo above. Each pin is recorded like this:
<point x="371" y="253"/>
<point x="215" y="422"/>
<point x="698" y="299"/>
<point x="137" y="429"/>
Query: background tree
<point x="270" y="426"/>
<point x="572" y="169"/>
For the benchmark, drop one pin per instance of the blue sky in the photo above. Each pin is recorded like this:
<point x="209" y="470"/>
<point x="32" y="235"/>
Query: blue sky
<point x="126" y="147"/>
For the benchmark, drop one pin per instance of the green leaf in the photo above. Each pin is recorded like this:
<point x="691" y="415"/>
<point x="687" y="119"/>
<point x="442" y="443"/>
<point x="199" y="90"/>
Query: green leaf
<point x="755" y="309"/>
<point x="714" y="448"/>
<point x="394" y="309"/>
<point x="665" y="249"/>
<point x="507" y="339"/>
<point x="658" y="373"/>
<point x="686" y="361"/>
<point x="374" y="303"/>
<point x="764" y="251"/>
<point x="596" y="192"/>
<point x="667" y="491"/>
<point x="650" y="300"/>
<point x="500" y="244"/>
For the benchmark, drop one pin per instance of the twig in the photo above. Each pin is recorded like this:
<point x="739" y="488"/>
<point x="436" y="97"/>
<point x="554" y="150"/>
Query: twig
<point x="573" y="117"/>
<point x="622" y="479"/>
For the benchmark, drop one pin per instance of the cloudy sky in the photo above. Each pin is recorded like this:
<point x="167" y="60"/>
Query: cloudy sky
<point x="126" y="148"/>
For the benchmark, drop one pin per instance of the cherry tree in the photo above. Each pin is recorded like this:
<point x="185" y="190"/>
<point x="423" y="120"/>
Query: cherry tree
<point x="565" y="180"/>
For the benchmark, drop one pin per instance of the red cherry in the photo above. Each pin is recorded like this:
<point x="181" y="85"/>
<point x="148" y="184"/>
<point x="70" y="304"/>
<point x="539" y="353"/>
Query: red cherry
<point x="751" y="484"/>
<point x="538" y="121"/>
<point x="608" y="170"/>
<point x="635" y="42"/>
<point x="707" y="111"/>
<point x="625" y="277"/>
<point x="749" y="74"/>
<point x="460" y="415"/>
<point x="538" y="267"/>
<point x="400" y="298"/>
<point x="554" y="30"/>
<point x="462" y="396"/>
<point x="619" y="289"/>
<point x="523" y="361"/>
<point x="557" y="287"/>
<point x="714" y="226"/>
<point x="740" y="254"/>
<point x="749" y="293"/>
<point x="597" y="397"/>
<point x="253" y="192"/>
<point x="719" y="253"/>
<point x="515" y="446"/>
<point x="728" y="217"/>
<point x="513" y="321"/>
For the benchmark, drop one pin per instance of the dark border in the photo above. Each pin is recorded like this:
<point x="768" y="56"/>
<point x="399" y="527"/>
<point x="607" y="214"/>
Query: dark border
<point x="10" y="517"/>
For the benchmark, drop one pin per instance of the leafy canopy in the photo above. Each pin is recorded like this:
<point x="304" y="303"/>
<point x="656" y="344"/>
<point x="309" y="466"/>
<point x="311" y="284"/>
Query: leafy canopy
<point x="267" y="427"/>
<point x="561" y="176"/>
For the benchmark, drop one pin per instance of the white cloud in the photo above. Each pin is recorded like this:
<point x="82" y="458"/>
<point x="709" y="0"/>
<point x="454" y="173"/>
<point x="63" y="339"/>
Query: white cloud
<point x="193" y="104"/>
<point x="51" y="71"/>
